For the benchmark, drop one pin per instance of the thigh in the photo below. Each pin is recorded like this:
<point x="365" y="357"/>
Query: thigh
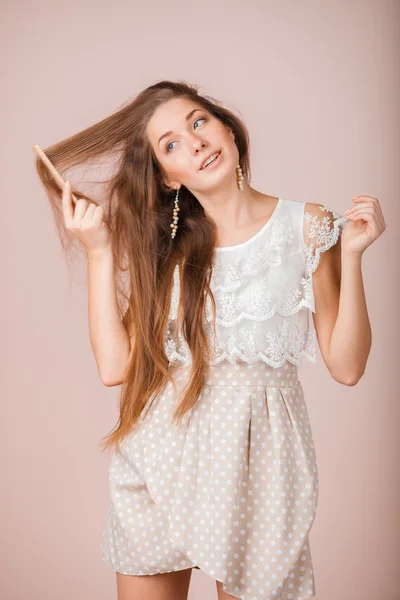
<point x="161" y="586"/>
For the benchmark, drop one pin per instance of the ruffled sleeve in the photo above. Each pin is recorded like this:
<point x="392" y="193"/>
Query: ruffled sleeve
<point x="322" y="228"/>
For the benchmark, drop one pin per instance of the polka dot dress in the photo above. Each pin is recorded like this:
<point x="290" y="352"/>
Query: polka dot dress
<point x="232" y="491"/>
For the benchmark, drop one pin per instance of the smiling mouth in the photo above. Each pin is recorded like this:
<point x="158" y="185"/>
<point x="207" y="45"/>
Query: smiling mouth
<point x="212" y="162"/>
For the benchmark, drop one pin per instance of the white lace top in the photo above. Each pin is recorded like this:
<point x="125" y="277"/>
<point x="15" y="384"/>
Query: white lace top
<point x="263" y="290"/>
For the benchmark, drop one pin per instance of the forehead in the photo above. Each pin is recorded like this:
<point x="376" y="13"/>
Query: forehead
<point x="170" y="116"/>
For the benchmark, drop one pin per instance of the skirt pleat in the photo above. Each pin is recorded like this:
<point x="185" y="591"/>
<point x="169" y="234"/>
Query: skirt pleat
<point x="232" y="491"/>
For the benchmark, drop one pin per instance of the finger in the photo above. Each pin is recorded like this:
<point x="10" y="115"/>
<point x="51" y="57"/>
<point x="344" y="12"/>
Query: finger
<point x="80" y="209"/>
<point x="361" y="205"/>
<point x="356" y="206"/>
<point x="98" y="215"/>
<point x="67" y="206"/>
<point x="360" y="210"/>
<point x="88" y="216"/>
<point x="369" y="217"/>
<point x="368" y="209"/>
<point x="361" y="198"/>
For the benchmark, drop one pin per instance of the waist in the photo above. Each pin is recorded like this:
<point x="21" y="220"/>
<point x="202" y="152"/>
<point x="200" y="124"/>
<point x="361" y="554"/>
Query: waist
<point x="242" y="374"/>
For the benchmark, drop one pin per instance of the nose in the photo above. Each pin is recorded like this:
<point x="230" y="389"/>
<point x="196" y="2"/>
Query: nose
<point x="197" y="144"/>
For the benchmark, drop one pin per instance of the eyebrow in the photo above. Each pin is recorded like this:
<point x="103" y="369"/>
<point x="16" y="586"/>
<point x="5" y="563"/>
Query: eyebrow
<point x="188" y="116"/>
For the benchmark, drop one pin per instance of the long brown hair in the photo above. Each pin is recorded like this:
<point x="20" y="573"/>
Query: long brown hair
<point x="138" y="209"/>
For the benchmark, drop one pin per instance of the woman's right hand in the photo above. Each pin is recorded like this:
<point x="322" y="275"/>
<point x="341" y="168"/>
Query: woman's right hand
<point x="86" y="221"/>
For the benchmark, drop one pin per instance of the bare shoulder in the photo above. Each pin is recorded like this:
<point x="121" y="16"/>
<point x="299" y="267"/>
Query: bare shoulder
<point x="266" y="199"/>
<point x="267" y="205"/>
<point x="314" y="208"/>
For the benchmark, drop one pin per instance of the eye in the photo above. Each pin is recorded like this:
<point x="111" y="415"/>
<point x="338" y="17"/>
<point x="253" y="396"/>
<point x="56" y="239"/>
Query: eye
<point x="167" y="147"/>
<point x="201" y="119"/>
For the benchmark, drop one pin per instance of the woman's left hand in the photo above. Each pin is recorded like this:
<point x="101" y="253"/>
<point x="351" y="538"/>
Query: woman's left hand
<point x="365" y="224"/>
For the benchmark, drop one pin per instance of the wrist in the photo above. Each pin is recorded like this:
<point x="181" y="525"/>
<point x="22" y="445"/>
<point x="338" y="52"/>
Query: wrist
<point x="351" y="257"/>
<point x="99" y="253"/>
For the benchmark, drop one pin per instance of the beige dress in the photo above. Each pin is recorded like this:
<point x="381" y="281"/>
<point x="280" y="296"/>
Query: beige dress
<point x="234" y="490"/>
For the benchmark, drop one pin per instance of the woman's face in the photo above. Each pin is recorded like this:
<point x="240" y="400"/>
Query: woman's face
<point x="183" y="135"/>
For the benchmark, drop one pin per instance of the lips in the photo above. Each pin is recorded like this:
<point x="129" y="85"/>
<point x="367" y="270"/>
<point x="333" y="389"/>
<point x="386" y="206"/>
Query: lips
<point x="206" y="159"/>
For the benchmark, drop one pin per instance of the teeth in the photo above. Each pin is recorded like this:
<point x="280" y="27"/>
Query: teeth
<point x="210" y="160"/>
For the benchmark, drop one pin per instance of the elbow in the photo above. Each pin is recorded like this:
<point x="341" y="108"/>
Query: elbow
<point x="348" y="375"/>
<point x="351" y="382"/>
<point x="110" y="381"/>
<point x="350" y="379"/>
<point x="111" y="377"/>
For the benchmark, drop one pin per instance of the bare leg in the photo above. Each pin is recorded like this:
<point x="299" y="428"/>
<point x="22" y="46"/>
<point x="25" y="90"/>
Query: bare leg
<point x="223" y="595"/>
<point x="162" y="586"/>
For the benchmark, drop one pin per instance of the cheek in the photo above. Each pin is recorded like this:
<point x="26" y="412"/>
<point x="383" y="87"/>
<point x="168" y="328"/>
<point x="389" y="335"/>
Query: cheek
<point x="227" y="141"/>
<point x="180" y="167"/>
<point x="230" y="136"/>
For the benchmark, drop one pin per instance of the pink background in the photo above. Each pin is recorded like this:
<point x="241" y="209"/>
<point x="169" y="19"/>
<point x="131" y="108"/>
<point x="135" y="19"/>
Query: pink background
<point x="318" y="86"/>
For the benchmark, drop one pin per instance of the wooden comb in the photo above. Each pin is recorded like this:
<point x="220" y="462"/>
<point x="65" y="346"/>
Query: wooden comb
<point x="55" y="174"/>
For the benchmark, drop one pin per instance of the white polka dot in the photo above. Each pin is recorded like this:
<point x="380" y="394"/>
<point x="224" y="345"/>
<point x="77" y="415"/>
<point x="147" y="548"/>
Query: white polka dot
<point x="233" y="491"/>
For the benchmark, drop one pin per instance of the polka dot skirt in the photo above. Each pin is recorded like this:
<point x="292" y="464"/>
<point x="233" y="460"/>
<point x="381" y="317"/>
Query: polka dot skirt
<point x="232" y="491"/>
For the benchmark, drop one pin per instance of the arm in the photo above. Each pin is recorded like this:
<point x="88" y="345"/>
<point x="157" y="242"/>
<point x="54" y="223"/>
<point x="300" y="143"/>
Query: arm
<point x="110" y="341"/>
<point x="341" y="318"/>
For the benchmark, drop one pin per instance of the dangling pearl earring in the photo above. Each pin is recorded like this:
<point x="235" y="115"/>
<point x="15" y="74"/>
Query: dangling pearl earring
<point x="239" y="177"/>
<point x="174" y="225"/>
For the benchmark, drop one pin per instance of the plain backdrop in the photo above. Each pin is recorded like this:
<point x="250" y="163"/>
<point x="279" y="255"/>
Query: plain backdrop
<point x="317" y="84"/>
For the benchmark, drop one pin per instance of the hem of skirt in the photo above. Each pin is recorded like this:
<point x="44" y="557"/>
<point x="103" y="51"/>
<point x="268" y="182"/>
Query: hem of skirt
<point x="243" y="596"/>
<point x="225" y="589"/>
<point x="152" y="573"/>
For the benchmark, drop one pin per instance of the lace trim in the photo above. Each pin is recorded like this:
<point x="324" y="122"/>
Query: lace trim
<point x="268" y="292"/>
<point x="290" y="342"/>
<point x="229" y="274"/>
<point x="250" y="286"/>
<point x="324" y="233"/>
<point x="259" y="303"/>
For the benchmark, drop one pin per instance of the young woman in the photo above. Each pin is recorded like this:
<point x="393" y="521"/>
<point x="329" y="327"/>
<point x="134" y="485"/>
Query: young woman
<point x="226" y="289"/>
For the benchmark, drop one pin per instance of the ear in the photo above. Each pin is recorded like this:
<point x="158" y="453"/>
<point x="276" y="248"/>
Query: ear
<point x="167" y="183"/>
<point x="171" y="184"/>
